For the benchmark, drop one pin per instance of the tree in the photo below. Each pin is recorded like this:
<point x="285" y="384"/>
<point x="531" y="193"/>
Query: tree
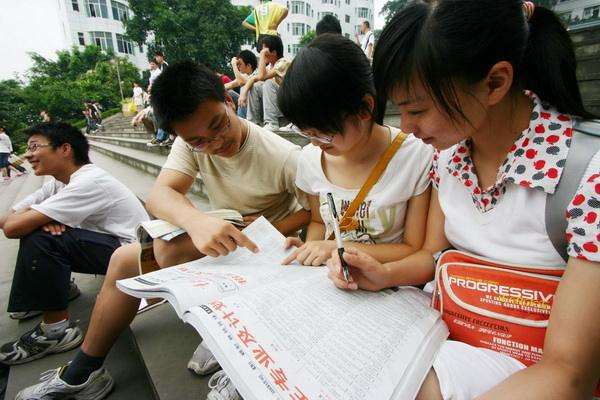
<point x="207" y="31"/>
<point x="307" y="38"/>
<point x="391" y="7"/>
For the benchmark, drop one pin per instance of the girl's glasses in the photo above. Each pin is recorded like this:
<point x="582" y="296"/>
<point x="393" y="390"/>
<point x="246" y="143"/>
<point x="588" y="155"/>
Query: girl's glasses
<point x="321" y="138"/>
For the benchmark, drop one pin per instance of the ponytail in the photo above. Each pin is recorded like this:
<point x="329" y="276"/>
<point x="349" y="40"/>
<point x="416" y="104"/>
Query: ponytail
<point x="549" y="65"/>
<point x="451" y="42"/>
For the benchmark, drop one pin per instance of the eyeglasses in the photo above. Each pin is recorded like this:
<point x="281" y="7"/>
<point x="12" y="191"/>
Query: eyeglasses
<point x="321" y="138"/>
<point x="203" y="143"/>
<point x="32" y="148"/>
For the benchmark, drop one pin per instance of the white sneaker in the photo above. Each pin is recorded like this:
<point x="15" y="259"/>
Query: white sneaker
<point x="221" y="388"/>
<point x="203" y="362"/>
<point x="98" y="386"/>
<point x="271" y="127"/>
<point x="289" y="128"/>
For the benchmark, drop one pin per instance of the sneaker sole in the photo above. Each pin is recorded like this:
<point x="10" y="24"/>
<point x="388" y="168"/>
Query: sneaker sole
<point x="98" y="396"/>
<point x="59" y="349"/>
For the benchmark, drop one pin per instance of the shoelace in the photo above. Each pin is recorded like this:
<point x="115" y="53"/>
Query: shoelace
<point x="218" y="381"/>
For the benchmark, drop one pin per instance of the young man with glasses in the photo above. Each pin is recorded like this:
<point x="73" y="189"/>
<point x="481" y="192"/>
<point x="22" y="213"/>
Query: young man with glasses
<point x="73" y="223"/>
<point x="243" y="167"/>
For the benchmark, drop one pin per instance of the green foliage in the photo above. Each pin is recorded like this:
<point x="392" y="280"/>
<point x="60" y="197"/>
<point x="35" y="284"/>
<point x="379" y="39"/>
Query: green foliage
<point x="208" y="31"/>
<point x="391" y="7"/>
<point x="62" y="86"/>
<point x="307" y="38"/>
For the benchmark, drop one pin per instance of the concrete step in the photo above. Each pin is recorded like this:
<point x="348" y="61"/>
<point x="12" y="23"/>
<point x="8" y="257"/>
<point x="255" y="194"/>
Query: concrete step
<point x="138" y="181"/>
<point x="165" y="345"/>
<point x="130" y="142"/>
<point x="142" y="160"/>
<point x="135" y="133"/>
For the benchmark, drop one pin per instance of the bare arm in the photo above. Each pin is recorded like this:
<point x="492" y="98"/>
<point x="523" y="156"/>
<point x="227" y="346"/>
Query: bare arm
<point x="370" y="51"/>
<point x="4" y="217"/>
<point x="416" y="269"/>
<point x="570" y="366"/>
<point x="210" y="235"/>
<point x="18" y="225"/>
<point x="293" y="222"/>
<point x="247" y="25"/>
<point x="414" y="233"/>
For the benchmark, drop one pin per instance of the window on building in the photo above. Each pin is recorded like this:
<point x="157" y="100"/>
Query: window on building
<point x="141" y="49"/>
<point x="81" y="38"/>
<point x="295" y="49"/>
<point x="565" y="17"/>
<point x="347" y="35"/>
<point x="348" y="2"/>
<point x="362" y="12"/>
<point x="75" y="5"/>
<point x="308" y="10"/>
<point x="124" y="45"/>
<point x="120" y="11"/>
<point x="102" y="40"/>
<point x="96" y="8"/>
<point x="298" y="7"/>
<point x="347" y="19"/>
<point x="591" y="12"/>
<point x="298" y="29"/>
<point x="328" y="1"/>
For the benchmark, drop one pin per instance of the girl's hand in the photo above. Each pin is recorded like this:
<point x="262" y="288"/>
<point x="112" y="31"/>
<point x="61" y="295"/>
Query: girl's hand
<point x="314" y="253"/>
<point x="365" y="272"/>
<point x="243" y="99"/>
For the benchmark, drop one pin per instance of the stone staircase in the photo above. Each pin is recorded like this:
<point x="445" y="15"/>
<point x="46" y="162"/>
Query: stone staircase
<point x="149" y="360"/>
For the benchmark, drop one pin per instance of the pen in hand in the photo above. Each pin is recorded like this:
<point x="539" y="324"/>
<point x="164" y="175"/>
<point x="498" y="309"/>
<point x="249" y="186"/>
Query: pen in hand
<point x="338" y="237"/>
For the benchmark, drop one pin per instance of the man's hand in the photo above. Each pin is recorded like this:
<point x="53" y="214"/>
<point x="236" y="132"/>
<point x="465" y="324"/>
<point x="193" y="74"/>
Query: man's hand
<point x="365" y="271"/>
<point x="54" y="228"/>
<point x="234" y="61"/>
<point x="314" y="252"/>
<point x="215" y="237"/>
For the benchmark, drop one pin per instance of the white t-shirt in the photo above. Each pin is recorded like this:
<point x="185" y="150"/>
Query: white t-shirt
<point x="154" y="73"/>
<point x="366" y="40"/>
<point x="92" y="200"/>
<point x="138" y="96"/>
<point x="258" y="179"/>
<point x="5" y="144"/>
<point x="381" y="215"/>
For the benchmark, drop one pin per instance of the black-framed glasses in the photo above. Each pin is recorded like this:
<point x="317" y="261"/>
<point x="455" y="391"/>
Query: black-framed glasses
<point x="203" y="143"/>
<point x="32" y="148"/>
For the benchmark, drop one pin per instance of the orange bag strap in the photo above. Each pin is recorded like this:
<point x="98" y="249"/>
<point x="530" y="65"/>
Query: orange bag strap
<point x="348" y="221"/>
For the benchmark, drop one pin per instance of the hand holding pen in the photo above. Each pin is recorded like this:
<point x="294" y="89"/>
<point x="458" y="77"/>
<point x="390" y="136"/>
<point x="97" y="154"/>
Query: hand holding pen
<point x="338" y="236"/>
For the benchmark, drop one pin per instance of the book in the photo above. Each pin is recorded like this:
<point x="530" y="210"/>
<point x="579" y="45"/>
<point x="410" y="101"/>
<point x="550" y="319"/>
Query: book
<point x="285" y="332"/>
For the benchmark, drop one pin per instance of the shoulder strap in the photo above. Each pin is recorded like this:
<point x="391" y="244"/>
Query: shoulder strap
<point x="348" y="222"/>
<point x="585" y="143"/>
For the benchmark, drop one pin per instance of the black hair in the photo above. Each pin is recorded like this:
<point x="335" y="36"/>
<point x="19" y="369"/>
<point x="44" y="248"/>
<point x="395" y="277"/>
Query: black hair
<point x="326" y="83"/>
<point x="159" y="53"/>
<point x="452" y="42"/>
<point x="59" y="133"/>
<point x="180" y="89"/>
<point x="273" y="42"/>
<point x="328" y="24"/>
<point x="248" y="57"/>
<point x="367" y="24"/>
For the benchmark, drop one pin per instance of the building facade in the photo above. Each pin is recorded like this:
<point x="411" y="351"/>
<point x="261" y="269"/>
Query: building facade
<point x="579" y="13"/>
<point x="303" y="16"/>
<point x="47" y="26"/>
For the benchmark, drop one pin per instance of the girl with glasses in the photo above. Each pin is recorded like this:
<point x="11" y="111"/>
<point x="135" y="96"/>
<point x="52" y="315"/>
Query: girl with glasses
<point x="329" y="94"/>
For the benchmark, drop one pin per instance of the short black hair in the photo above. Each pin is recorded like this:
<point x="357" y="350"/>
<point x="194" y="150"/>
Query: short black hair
<point x="326" y="83"/>
<point x="177" y="92"/>
<point x="248" y="57"/>
<point x="274" y="43"/>
<point x="367" y="24"/>
<point x="328" y="24"/>
<point x="59" y="133"/>
<point x="159" y="53"/>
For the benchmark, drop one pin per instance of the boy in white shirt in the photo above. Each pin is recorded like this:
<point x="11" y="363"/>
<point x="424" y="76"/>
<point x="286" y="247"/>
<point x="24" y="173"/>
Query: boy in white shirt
<point x="5" y="150"/>
<point x="74" y="222"/>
